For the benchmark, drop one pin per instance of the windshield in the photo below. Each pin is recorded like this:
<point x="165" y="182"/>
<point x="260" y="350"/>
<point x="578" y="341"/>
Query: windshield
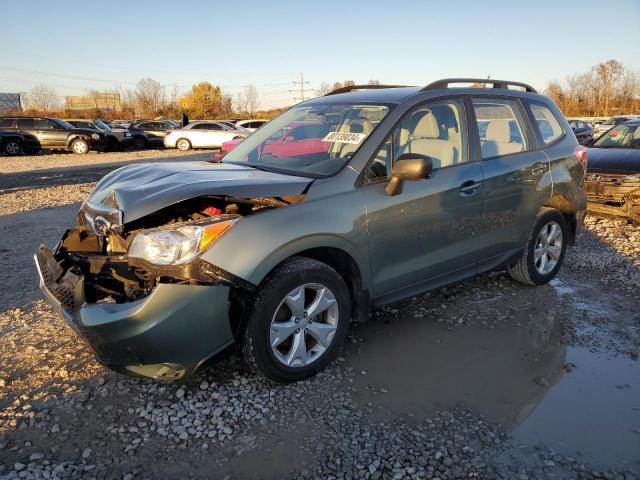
<point x="101" y="125"/>
<point x="61" y="123"/>
<point x="625" y="135"/>
<point x="309" y="140"/>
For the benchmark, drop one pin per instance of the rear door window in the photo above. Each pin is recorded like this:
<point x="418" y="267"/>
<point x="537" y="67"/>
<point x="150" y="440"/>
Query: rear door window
<point x="26" y="123"/>
<point x="548" y="125"/>
<point x="501" y="125"/>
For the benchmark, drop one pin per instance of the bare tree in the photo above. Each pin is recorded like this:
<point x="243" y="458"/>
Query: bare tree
<point x="150" y="97"/>
<point x="605" y="89"/>
<point x="325" y="87"/>
<point x="250" y="99"/>
<point x="608" y="75"/>
<point x="373" y="82"/>
<point x="42" y="98"/>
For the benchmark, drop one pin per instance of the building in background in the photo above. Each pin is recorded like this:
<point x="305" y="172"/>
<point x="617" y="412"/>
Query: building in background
<point x="94" y="100"/>
<point x="10" y="101"/>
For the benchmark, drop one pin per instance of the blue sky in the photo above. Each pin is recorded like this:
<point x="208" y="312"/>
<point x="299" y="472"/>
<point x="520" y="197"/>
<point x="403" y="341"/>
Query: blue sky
<point x="74" y="46"/>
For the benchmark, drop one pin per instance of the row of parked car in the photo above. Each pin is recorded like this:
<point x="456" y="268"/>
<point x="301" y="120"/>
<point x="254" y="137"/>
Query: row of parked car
<point x="587" y="132"/>
<point x="31" y="134"/>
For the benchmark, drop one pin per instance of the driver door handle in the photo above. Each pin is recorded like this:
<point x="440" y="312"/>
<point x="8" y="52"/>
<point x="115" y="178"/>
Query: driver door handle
<point x="469" y="187"/>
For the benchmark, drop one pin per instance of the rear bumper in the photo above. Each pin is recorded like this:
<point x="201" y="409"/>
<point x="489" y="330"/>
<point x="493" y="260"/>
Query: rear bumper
<point x="165" y="335"/>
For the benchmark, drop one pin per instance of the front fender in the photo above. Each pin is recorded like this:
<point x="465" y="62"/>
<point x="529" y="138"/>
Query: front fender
<point x="257" y="244"/>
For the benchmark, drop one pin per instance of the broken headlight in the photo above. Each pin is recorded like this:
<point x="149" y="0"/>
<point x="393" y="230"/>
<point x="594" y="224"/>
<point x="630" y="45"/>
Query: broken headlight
<point x="180" y="243"/>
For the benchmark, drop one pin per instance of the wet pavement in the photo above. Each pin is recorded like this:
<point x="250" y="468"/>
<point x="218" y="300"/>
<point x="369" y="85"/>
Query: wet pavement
<point x="538" y="372"/>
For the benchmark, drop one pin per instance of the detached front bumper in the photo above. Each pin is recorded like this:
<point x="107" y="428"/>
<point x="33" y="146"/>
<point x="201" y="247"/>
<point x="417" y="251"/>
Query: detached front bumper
<point x="165" y="335"/>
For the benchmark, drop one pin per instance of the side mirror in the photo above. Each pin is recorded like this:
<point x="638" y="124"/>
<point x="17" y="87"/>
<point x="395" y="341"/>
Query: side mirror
<point x="408" y="166"/>
<point x="289" y="138"/>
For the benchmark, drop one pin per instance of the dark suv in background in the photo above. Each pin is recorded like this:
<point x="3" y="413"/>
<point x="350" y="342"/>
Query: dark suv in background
<point x="149" y="133"/>
<point x="117" y="138"/>
<point x="53" y="134"/>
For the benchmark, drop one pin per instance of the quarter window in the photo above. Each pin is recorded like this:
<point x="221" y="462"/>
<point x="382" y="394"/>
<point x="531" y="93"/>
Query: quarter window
<point x="6" y="123"/>
<point x="550" y="128"/>
<point x="501" y="127"/>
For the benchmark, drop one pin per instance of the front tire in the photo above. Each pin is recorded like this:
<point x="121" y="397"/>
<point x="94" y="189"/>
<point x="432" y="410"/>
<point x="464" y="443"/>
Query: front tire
<point x="80" y="146"/>
<point x="298" y="321"/>
<point x="545" y="249"/>
<point x="13" y="147"/>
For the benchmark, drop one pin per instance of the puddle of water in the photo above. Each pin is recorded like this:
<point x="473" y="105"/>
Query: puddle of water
<point x="503" y="372"/>
<point x="560" y="287"/>
<point x="512" y="374"/>
<point x="595" y="409"/>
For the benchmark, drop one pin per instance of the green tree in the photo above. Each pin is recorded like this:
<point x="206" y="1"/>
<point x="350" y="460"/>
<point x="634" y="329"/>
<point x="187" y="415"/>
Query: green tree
<point x="205" y="101"/>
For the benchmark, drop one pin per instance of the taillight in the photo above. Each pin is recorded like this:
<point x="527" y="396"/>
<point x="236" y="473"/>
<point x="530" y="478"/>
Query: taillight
<point x="581" y="154"/>
<point x="167" y="133"/>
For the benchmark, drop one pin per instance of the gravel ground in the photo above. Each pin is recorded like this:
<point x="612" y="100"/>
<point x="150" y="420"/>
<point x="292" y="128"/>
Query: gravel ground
<point x="447" y="385"/>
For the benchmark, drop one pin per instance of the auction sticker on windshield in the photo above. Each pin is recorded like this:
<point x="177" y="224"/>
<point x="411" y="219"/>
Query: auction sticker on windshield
<point x="338" y="137"/>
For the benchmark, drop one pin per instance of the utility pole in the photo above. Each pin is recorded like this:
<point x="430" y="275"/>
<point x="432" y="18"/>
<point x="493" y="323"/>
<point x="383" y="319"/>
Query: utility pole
<point x="301" y="90"/>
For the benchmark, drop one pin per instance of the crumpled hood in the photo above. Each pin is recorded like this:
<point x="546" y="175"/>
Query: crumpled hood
<point x="141" y="189"/>
<point x="613" y="160"/>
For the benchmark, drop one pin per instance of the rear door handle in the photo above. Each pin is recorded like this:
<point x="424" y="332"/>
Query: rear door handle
<point x="538" y="168"/>
<point x="469" y="187"/>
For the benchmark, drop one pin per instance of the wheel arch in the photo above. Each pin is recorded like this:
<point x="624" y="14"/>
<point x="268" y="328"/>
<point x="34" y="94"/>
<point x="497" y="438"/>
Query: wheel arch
<point x="72" y="138"/>
<point x="339" y="257"/>
<point x="569" y="212"/>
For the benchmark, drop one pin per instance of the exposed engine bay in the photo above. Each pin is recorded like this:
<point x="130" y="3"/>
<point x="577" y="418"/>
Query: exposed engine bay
<point x="99" y="254"/>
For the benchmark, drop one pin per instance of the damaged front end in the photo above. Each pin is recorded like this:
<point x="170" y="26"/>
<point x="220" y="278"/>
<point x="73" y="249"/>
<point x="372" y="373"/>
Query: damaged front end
<point x="614" y="194"/>
<point x="139" y="293"/>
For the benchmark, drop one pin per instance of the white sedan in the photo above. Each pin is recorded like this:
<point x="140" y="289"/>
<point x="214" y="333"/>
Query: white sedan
<point x="251" y="125"/>
<point x="202" y="134"/>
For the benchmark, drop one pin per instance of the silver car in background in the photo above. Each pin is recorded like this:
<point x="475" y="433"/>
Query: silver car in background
<point x="203" y="134"/>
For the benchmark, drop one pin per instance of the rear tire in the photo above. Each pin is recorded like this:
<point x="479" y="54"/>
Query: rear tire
<point x="80" y="146"/>
<point x="139" y="143"/>
<point x="183" y="145"/>
<point x="298" y="320"/>
<point x="545" y="250"/>
<point x="12" y="147"/>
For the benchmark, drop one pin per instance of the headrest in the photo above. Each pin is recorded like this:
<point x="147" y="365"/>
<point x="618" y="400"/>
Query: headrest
<point x="427" y="127"/>
<point x="498" y="131"/>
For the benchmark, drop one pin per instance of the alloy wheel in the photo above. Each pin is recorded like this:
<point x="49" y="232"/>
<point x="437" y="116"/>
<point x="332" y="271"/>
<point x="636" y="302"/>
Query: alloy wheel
<point x="12" y="148"/>
<point x="548" y="248"/>
<point x="304" y="325"/>
<point x="80" y="147"/>
<point x="183" y="145"/>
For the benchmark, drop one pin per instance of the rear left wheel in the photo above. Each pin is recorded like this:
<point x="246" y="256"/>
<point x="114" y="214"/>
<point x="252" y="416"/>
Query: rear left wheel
<point x="183" y="144"/>
<point x="298" y="321"/>
<point x="80" y="146"/>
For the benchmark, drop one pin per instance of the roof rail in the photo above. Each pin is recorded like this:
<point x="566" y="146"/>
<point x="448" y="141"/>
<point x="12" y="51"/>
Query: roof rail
<point x="361" y="87"/>
<point x="444" y="83"/>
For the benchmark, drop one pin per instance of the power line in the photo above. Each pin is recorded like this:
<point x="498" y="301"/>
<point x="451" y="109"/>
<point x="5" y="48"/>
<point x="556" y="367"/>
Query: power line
<point x="301" y="90"/>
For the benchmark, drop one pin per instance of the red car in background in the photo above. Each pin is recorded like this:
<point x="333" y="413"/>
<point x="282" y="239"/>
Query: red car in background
<point x="299" y="138"/>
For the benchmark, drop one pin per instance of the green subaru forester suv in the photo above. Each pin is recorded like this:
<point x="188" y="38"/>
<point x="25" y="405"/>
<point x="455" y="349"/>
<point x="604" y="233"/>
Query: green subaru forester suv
<point x="362" y="197"/>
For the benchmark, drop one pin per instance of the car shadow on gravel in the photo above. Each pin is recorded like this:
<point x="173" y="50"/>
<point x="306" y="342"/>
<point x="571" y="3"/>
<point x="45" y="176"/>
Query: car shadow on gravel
<point x="80" y="173"/>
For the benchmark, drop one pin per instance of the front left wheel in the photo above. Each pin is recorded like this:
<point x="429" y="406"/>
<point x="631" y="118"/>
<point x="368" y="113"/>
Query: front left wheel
<point x="13" y="147"/>
<point x="298" y="321"/>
